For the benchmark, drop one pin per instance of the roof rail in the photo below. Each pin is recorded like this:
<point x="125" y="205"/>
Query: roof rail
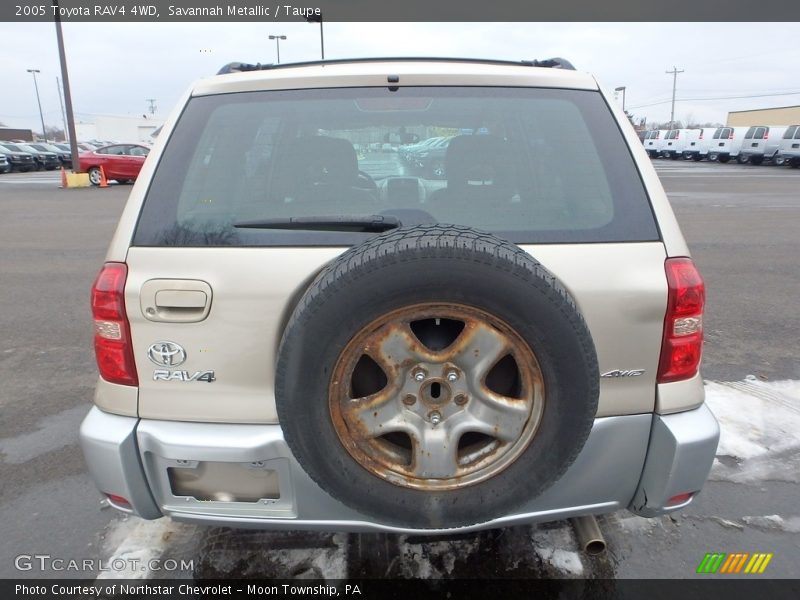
<point x="551" y="63"/>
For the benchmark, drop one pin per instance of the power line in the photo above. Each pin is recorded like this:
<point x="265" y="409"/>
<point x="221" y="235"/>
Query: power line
<point x="795" y="93"/>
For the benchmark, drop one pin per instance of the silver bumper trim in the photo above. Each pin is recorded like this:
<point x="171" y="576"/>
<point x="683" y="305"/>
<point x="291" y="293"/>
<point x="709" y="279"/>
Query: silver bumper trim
<point x="679" y="458"/>
<point x="109" y="448"/>
<point x="130" y="457"/>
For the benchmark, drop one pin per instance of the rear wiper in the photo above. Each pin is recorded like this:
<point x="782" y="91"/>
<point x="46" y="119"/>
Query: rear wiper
<point x="368" y="223"/>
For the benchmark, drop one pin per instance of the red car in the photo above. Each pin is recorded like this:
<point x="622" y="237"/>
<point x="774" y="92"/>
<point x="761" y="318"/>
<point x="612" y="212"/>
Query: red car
<point x="121" y="162"/>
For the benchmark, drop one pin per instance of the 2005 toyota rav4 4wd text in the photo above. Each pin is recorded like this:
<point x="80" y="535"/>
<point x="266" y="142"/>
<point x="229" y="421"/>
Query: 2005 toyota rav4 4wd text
<point x="303" y="323"/>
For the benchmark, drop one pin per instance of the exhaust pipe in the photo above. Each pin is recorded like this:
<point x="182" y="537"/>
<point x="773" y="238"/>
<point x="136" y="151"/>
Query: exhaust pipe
<point x="590" y="539"/>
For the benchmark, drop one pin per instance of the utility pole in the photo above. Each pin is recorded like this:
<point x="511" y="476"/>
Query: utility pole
<point x="62" y="57"/>
<point x="39" y="102"/>
<point x="674" y="72"/>
<point x="152" y="108"/>
<point x="61" y="103"/>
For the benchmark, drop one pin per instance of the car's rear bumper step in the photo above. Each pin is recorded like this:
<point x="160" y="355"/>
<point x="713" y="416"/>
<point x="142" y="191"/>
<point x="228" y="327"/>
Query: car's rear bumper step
<point x="202" y="472"/>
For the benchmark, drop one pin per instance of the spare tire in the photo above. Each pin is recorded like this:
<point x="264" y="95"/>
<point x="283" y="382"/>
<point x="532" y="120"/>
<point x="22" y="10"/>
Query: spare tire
<point x="436" y="377"/>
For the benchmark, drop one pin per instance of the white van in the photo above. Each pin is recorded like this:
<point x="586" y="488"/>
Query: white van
<point x="726" y="143"/>
<point x="697" y="149"/>
<point x="676" y="141"/>
<point x="760" y="142"/>
<point x="653" y="142"/>
<point x="789" y="150"/>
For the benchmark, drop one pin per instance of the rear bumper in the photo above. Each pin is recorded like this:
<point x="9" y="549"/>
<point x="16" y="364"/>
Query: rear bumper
<point x="132" y="458"/>
<point x="679" y="458"/>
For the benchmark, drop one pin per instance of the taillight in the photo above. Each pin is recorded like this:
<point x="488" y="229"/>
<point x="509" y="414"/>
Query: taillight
<point x="112" y="332"/>
<point x="682" y="344"/>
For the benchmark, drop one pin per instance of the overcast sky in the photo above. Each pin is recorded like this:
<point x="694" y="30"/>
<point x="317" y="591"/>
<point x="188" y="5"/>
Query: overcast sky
<point x="114" y="68"/>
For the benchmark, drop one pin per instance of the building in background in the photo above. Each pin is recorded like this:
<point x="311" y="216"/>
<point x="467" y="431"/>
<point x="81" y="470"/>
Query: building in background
<point x="782" y="115"/>
<point x="119" y="128"/>
<point x="7" y="134"/>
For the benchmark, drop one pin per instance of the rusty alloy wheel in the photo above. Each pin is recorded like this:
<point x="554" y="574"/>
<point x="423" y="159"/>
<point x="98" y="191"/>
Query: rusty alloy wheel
<point x="385" y="404"/>
<point x="436" y="396"/>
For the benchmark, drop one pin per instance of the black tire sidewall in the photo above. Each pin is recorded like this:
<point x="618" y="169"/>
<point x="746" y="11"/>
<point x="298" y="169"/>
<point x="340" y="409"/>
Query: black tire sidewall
<point x="552" y="328"/>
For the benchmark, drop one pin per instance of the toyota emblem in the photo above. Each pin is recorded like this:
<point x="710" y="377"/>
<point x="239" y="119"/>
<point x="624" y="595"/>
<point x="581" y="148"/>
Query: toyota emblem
<point x="166" y="354"/>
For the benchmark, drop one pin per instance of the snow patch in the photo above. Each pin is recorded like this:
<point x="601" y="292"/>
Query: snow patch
<point x="789" y="525"/>
<point x="563" y="560"/>
<point x="420" y="559"/>
<point x="760" y="430"/>
<point x="558" y="547"/>
<point x="144" y="541"/>
<point x="638" y="525"/>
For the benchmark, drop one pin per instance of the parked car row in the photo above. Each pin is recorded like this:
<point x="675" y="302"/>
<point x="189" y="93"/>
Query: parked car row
<point x="24" y="156"/>
<point x="119" y="162"/>
<point x="777" y="144"/>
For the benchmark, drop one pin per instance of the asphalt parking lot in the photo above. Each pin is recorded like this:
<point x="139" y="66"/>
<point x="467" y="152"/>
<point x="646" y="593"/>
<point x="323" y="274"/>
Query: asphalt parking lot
<point x="741" y="223"/>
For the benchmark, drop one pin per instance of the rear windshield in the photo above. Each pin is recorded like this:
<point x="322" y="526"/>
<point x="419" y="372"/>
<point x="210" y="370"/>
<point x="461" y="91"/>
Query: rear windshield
<point x="532" y="165"/>
<point x="789" y="134"/>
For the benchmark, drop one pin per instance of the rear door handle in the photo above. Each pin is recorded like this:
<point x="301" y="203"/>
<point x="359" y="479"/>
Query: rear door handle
<point x="175" y="300"/>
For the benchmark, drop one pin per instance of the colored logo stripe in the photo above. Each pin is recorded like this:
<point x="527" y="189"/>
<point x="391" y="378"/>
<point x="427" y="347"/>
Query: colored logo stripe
<point x="711" y="562"/>
<point x="734" y="563"/>
<point x="758" y="564"/>
<point x="720" y="562"/>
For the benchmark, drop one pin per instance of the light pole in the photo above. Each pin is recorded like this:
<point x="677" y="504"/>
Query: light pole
<point x="278" y="39"/>
<point x="318" y="19"/>
<point x="621" y="89"/>
<point x="39" y="102"/>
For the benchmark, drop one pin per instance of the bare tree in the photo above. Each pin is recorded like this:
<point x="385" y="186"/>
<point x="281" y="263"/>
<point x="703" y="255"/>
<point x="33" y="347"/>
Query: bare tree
<point x="55" y="133"/>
